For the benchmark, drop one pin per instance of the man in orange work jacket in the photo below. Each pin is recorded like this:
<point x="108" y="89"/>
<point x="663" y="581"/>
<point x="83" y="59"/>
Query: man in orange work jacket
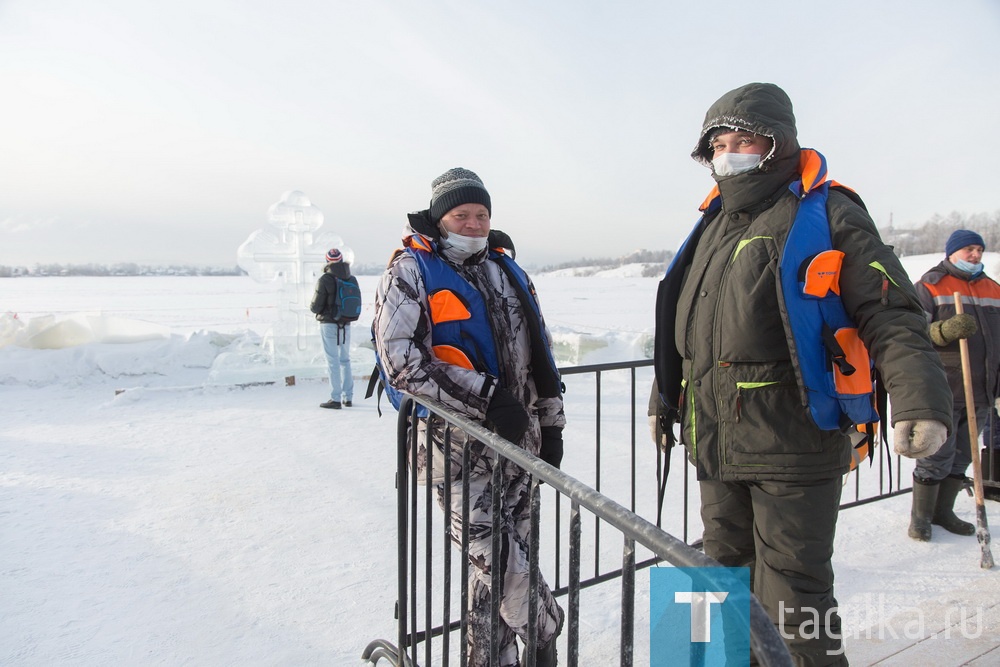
<point x="938" y="478"/>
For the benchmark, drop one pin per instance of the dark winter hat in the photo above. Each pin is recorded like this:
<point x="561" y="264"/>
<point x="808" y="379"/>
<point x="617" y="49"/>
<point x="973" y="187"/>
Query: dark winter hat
<point x="960" y="239"/>
<point x="333" y="255"/>
<point x="456" y="187"/>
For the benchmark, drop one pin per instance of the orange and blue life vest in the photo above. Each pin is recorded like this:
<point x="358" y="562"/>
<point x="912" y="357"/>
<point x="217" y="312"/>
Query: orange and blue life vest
<point x="460" y="329"/>
<point x="833" y="366"/>
<point x="833" y="361"/>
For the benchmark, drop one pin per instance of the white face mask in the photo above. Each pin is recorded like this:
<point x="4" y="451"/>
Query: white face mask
<point x="463" y="247"/>
<point x="730" y="164"/>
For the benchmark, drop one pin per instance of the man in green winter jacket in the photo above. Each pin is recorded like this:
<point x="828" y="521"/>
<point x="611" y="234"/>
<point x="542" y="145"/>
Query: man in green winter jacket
<point x="729" y="371"/>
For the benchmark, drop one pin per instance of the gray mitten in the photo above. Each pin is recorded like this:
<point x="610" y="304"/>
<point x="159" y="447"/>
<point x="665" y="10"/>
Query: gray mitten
<point x="945" y="332"/>
<point x="917" y="438"/>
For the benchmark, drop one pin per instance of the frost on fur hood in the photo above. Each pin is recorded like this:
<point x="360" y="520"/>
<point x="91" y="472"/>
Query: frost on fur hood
<point x="761" y="108"/>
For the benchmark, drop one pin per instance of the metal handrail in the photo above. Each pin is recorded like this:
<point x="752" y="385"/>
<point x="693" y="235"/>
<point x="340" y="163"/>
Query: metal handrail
<point x="889" y="484"/>
<point x="765" y="641"/>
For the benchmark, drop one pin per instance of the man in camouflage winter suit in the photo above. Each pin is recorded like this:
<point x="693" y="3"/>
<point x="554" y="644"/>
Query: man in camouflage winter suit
<point x="457" y="321"/>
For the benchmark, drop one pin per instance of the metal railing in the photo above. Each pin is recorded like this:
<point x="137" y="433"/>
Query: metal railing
<point x="617" y="433"/>
<point x="990" y="455"/>
<point x="425" y="583"/>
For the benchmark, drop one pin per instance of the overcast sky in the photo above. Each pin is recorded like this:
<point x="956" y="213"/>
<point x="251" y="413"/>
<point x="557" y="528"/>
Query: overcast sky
<point x="161" y="132"/>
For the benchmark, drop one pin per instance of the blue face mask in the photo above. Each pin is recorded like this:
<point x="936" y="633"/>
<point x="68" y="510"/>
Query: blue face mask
<point x="968" y="267"/>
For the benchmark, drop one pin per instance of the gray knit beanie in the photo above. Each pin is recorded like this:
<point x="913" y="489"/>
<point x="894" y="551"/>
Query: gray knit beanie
<point x="456" y="187"/>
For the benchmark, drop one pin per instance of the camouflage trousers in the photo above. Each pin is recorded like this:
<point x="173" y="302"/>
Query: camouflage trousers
<point x="513" y="561"/>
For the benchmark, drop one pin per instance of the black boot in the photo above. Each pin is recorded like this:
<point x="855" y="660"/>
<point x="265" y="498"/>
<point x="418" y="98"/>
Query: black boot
<point x="944" y="514"/>
<point x="991" y="490"/>
<point x="924" y="499"/>
<point x="545" y="656"/>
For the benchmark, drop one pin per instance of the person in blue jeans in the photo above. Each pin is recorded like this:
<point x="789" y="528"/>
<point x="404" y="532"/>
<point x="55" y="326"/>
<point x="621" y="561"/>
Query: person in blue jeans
<point x="335" y="332"/>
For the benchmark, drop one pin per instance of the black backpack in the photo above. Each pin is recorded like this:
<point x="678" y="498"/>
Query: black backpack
<point x="347" y="300"/>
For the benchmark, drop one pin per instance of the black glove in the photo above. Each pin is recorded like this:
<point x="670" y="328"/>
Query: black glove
<point x="506" y="416"/>
<point x="552" y="445"/>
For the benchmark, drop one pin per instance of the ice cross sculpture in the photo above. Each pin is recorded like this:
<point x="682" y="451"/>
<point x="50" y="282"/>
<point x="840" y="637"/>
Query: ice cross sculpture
<point x="291" y="252"/>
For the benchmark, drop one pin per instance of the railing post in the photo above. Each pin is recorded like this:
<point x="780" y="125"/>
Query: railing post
<point x="628" y="602"/>
<point x="496" y="582"/>
<point x="687" y="507"/>
<point x="429" y="546"/>
<point x="632" y="462"/>
<point x="413" y="536"/>
<point x="446" y="550"/>
<point x="464" y="634"/>
<point x="558" y="545"/>
<point x="573" y="602"/>
<point x="535" y="514"/>
<point x="597" y="475"/>
<point x="402" y="540"/>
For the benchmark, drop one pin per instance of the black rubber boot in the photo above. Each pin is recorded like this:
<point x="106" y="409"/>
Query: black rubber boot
<point x="545" y="656"/>
<point x="944" y="514"/>
<point x="924" y="500"/>
<point x="990" y="489"/>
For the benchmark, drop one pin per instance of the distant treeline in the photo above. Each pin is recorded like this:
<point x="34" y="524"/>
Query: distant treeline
<point x="125" y="269"/>
<point x="931" y="237"/>
<point x="926" y="239"/>
<point x="656" y="261"/>
<point x="129" y="269"/>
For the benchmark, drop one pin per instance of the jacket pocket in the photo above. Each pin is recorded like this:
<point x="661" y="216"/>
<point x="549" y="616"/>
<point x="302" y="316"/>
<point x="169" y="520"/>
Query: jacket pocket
<point x="769" y="419"/>
<point x="762" y="413"/>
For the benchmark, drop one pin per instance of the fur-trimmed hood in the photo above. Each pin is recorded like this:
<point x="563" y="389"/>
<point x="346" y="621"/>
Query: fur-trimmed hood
<point x="761" y="108"/>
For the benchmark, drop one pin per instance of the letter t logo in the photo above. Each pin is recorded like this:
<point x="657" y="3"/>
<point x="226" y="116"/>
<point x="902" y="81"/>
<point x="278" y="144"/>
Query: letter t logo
<point x="701" y="611"/>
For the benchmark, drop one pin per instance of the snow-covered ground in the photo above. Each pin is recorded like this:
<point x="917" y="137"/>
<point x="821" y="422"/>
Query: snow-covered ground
<point x="149" y="517"/>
